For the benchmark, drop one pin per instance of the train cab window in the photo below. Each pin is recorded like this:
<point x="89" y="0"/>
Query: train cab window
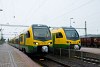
<point x="28" y="34"/>
<point x="59" y="35"/>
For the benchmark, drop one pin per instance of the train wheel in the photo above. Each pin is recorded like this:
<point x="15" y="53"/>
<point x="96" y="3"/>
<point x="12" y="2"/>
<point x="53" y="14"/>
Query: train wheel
<point x="97" y="46"/>
<point x="24" y="50"/>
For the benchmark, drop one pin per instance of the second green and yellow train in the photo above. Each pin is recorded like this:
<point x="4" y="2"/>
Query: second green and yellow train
<point x="66" y="37"/>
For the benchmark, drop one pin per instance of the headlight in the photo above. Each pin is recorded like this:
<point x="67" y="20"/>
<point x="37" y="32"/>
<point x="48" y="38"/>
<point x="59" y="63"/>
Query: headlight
<point x="50" y="43"/>
<point x="36" y="43"/>
<point x="67" y="41"/>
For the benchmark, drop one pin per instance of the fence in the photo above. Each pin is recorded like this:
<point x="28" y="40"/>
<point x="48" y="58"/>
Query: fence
<point x="72" y="53"/>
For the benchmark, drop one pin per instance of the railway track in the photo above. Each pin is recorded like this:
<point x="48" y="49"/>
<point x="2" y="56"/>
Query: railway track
<point x="47" y="62"/>
<point x="89" y="60"/>
<point x="77" y="59"/>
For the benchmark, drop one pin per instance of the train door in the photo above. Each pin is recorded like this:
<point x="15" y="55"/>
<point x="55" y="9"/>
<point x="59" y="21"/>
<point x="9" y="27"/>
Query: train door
<point x="59" y="38"/>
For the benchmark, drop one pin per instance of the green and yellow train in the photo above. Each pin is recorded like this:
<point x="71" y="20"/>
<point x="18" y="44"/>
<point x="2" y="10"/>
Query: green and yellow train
<point x="36" y="39"/>
<point x="65" y="37"/>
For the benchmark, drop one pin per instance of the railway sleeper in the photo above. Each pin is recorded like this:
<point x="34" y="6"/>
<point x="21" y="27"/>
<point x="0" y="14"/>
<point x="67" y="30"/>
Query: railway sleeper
<point x="91" y="60"/>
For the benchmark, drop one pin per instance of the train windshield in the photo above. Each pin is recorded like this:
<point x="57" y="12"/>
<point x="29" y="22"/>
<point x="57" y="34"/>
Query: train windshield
<point x="71" y="34"/>
<point x="41" y="33"/>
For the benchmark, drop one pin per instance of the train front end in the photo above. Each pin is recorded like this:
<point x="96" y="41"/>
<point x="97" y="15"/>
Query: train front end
<point x="41" y="38"/>
<point x="72" y="38"/>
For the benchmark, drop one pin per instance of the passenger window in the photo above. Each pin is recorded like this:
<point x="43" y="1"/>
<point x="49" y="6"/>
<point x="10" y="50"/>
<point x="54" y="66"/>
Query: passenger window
<point x="21" y="38"/>
<point x="59" y="35"/>
<point x="28" y="34"/>
<point x="17" y="41"/>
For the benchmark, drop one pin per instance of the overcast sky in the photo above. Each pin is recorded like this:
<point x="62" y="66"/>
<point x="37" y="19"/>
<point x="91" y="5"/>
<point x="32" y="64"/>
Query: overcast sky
<point x="51" y="13"/>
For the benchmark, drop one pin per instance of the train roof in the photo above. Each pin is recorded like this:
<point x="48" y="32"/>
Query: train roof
<point x="34" y="25"/>
<point x="39" y="25"/>
<point x="68" y="27"/>
<point x="62" y="27"/>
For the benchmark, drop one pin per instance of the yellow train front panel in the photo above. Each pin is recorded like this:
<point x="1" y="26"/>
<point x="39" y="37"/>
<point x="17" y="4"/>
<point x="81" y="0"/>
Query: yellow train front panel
<point x="65" y="38"/>
<point x="36" y="39"/>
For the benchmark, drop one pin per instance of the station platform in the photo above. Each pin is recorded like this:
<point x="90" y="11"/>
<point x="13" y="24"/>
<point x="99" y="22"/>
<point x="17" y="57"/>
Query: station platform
<point x="91" y="50"/>
<point x="12" y="57"/>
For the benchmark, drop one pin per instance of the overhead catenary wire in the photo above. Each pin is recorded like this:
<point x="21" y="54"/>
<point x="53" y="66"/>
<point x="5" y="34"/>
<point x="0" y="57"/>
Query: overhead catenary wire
<point x="13" y="8"/>
<point x="34" y="11"/>
<point x="11" y="34"/>
<point x="82" y="5"/>
<point x="13" y="25"/>
<point x="37" y="9"/>
<point x="91" y="15"/>
<point x="1" y="5"/>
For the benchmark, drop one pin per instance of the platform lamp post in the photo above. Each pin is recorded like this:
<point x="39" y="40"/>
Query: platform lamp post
<point x="70" y="21"/>
<point x="1" y="28"/>
<point x="85" y="28"/>
<point x="70" y="26"/>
